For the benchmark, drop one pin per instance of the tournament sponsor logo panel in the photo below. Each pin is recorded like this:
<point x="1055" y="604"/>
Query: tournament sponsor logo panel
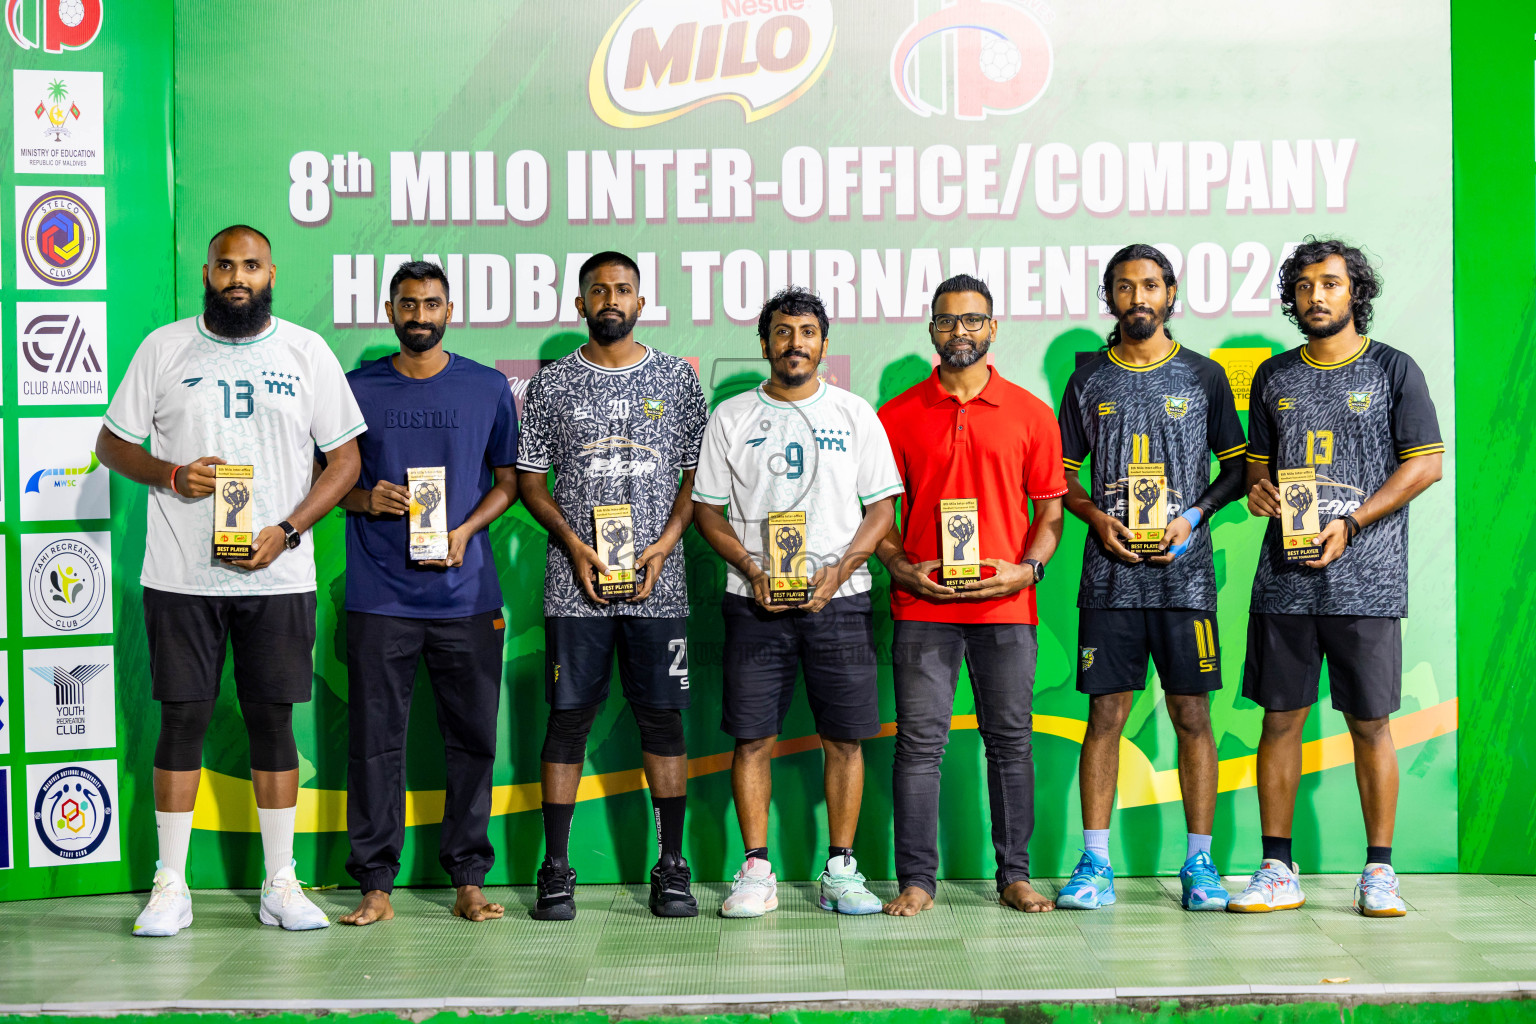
<point x="971" y="59"/>
<point x="61" y="353"/>
<point x="7" y="848"/>
<point x="664" y="58"/>
<point x="62" y="241"/>
<point x="72" y="806"/>
<point x="53" y="26"/>
<point x="67" y="584"/>
<point x="70" y="701"/>
<point x="58" y="475"/>
<point x="5" y="705"/>
<point x="58" y="122"/>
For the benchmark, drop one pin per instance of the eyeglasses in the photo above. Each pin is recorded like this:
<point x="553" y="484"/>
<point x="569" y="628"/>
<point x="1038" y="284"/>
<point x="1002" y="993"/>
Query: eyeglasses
<point x="944" y="322"/>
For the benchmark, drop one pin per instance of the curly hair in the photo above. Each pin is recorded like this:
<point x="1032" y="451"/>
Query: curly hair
<point x="792" y="301"/>
<point x="1138" y="251"/>
<point x="1364" y="282"/>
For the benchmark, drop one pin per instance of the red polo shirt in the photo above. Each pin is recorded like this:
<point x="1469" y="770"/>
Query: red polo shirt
<point x="1002" y="448"/>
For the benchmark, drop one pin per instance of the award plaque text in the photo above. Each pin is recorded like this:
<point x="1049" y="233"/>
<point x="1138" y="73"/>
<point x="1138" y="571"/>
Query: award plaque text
<point x="959" y="548"/>
<point x="1298" y="514"/>
<point x="786" y="558"/>
<point x="1146" y="507"/>
<point x="233" y="489"/>
<point x="614" y="530"/>
<point x="429" y="512"/>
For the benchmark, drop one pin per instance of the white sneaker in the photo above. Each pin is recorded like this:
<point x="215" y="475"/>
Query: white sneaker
<point x="1275" y="886"/>
<point x="283" y="903"/>
<point x="170" y="905"/>
<point x="1376" y="892"/>
<point x="754" y="892"/>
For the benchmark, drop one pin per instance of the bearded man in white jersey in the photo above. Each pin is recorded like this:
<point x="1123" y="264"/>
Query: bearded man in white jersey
<point x="233" y="386"/>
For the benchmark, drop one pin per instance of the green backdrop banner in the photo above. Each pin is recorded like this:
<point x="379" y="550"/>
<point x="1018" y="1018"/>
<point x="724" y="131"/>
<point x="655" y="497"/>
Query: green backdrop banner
<point x="867" y="150"/>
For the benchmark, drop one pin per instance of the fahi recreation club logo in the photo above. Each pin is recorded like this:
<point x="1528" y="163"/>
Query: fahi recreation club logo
<point x="663" y="58"/>
<point x="61" y="236"/>
<point x="67" y="585"/>
<point x="53" y="25"/>
<point x="972" y="58"/>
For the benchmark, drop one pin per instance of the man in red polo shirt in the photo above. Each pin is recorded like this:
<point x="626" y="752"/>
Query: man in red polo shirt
<point x="965" y="432"/>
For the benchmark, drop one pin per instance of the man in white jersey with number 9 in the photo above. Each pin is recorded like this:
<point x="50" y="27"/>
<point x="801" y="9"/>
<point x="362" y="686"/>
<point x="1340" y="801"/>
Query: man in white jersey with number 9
<point x="239" y="387"/>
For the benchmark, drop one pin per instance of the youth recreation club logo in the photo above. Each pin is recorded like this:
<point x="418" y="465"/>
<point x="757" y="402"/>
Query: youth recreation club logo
<point x="663" y="58"/>
<point x="982" y="57"/>
<point x="53" y="25"/>
<point x="60" y="236"/>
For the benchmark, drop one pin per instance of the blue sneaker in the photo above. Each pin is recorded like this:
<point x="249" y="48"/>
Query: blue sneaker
<point x="1202" y="885"/>
<point x="1092" y="885"/>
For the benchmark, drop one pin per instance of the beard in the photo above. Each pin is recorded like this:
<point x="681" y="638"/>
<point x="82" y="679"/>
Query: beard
<point x="419" y="342"/>
<point x="794" y="380"/>
<point x="958" y="358"/>
<point x="606" y="330"/>
<point x="236" y="320"/>
<point x="1327" y="329"/>
<point x="1141" y="330"/>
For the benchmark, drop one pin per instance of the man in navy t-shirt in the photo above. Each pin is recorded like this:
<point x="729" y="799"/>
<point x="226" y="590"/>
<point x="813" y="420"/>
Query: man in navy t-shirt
<point x="425" y="408"/>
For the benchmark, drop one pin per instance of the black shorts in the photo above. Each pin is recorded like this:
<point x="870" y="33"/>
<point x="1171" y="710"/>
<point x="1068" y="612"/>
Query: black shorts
<point x="764" y="650"/>
<point x="273" y="638"/>
<point x="578" y="660"/>
<point x="1365" y="662"/>
<point x="1113" y="645"/>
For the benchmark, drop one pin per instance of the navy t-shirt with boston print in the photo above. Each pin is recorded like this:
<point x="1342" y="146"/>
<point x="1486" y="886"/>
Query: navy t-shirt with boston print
<point x="461" y="419"/>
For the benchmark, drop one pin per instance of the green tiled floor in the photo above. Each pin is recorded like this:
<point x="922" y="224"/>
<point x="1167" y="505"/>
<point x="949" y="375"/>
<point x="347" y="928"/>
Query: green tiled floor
<point x="1465" y="930"/>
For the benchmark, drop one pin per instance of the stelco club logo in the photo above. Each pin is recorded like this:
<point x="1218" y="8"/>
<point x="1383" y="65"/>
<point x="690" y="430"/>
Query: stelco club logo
<point x="663" y="58"/>
<point x="1000" y="62"/>
<point x="53" y="25"/>
<point x="72" y="813"/>
<point x="60" y="237"/>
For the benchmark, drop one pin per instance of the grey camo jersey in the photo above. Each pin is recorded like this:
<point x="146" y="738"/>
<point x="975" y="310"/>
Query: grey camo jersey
<point x="613" y="437"/>
<point x="1183" y="407"/>
<point x="1355" y="421"/>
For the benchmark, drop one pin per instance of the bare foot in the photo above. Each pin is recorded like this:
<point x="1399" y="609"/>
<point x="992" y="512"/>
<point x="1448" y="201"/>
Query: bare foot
<point x="910" y="903"/>
<point x="375" y="907"/>
<point x="473" y="906"/>
<point x="1022" y="896"/>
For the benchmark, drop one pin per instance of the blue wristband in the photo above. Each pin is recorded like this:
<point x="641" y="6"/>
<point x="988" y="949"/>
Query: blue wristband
<point x="1192" y="516"/>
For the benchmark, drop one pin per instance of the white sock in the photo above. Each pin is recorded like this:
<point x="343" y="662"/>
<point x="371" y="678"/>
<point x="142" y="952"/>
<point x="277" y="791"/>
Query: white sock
<point x="1196" y="843"/>
<point x="174" y="831"/>
<point x="1096" y="840"/>
<point x="276" y="837"/>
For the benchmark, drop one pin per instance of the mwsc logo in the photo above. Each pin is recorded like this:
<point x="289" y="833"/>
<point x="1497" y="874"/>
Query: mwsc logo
<point x="664" y="58"/>
<point x="53" y="25"/>
<point x="1001" y="60"/>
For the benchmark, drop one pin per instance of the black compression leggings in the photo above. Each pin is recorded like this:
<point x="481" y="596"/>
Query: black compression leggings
<point x="183" y="724"/>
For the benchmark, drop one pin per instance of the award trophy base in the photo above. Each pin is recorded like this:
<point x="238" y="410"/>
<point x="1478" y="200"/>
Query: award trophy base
<point x="234" y="539"/>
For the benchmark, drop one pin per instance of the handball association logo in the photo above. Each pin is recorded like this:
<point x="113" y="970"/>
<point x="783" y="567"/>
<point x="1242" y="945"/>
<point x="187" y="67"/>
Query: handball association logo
<point x="60" y="237"/>
<point x="72" y="813"/>
<point x="53" y="25"/>
<point x="1000" y="64"/>
<point x="67" y="585"/>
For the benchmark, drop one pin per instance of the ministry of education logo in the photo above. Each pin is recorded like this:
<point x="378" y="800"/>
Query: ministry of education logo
<point x="1358" y="401"/>
<point x="61" y="237"/>
<point x="72" y="813"/>
<point x="68" y="586"/>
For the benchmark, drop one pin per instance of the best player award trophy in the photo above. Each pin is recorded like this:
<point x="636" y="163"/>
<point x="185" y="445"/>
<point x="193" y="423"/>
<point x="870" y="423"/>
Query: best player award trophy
<point x="429" y="513"/>
<point x="614" y="529"/>
<point x="1146" y="507"/>
<point x="233" y="538"/>
<point x="959" y="550"/>
<point x="1298" y="514"/>
<point x="786" y="559"/>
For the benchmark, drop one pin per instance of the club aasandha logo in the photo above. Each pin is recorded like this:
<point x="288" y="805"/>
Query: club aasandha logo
<point x="984" y="57"/>
<point x="663" y="58"/>
<point x="53" y="25"/>
<point x="61" y="237"/>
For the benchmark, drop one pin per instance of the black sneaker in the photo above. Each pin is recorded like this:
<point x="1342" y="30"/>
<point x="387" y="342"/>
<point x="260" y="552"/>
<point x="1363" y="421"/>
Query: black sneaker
<point x="557" y="892"/>
<point x="670" y="895"/>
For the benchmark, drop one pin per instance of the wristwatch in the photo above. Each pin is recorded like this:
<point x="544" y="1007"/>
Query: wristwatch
<point x="1038" y="566"/>
<point x="292" y="534"/>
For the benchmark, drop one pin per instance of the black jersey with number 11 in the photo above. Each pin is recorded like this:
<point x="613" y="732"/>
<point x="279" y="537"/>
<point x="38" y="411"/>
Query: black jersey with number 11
<point x="1355" y="422"/>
